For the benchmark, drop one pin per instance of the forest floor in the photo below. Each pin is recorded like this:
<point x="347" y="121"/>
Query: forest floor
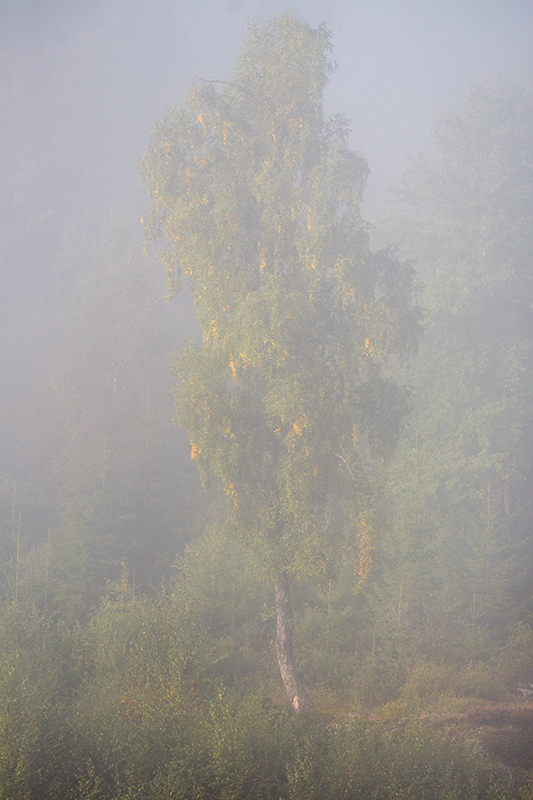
<point x="501" y="733"/>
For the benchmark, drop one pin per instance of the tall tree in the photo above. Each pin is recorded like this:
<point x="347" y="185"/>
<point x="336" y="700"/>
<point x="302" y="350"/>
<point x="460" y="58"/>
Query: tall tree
<point x="465" y="474"/>
<point x="284" y="399"/>
<point x="121" y="487"/>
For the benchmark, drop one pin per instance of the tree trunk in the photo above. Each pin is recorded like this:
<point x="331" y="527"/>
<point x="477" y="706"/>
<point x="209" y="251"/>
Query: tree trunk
<point x="283" y="645"/>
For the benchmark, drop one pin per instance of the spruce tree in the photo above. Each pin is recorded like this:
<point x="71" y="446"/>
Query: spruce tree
<point x="465" y="468"/>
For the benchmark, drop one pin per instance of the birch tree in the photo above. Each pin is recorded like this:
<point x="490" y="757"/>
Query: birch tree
<point x="284" y="399"/>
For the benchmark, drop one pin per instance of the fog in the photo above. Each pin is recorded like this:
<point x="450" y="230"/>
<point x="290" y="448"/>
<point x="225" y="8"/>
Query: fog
<point x="412" y="591"/>
<point x="83" y="84"/>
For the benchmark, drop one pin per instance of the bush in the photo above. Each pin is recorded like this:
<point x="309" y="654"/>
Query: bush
<point x="515" y="661"/>
<point x="358" y="762"/>
<point x="429" y="683"/>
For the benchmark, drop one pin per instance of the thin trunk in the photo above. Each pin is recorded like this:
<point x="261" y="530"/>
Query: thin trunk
<point x="400" y="607"/>
<point x="47" y="566"/>
<point x="329" y="616"/>
<point x="17" y="567"/>
<point x="283" y="645"/>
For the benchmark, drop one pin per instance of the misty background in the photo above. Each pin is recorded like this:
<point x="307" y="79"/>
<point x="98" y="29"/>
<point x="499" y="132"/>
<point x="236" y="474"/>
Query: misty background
<point x="136" y="631"/>
<point x="81" y="86"/>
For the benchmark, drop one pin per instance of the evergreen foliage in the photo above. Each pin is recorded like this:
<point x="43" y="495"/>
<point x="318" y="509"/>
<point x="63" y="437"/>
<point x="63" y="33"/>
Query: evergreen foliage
<point x="119" y="476"/>
<point x="464" y="475"/>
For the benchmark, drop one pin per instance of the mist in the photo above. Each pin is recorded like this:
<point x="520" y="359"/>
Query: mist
<point x="101" y="502"/>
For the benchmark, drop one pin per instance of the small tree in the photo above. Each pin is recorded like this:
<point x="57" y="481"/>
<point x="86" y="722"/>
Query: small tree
<point x="284" y="398"/>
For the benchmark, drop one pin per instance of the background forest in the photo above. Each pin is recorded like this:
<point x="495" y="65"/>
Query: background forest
<point x="137" y="632"/>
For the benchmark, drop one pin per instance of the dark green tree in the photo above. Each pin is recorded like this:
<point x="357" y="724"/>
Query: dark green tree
<point x="120" y="484"/>
<point x="284" y="399"/>
<point x="465" y="469"/>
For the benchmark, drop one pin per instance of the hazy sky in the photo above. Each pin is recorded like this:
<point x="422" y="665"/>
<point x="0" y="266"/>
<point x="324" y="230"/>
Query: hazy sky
<point x="82" y="83"/>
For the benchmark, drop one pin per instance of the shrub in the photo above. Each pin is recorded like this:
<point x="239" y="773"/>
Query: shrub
<point x="358" y="762"/>
<point x="428" y="683"/>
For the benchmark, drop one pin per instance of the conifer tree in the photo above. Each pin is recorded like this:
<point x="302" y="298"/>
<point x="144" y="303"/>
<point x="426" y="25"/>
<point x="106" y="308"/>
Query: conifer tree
<point x="284" y="399"/>
<point x="465" y="468"/>
<point x="118" y="475"/>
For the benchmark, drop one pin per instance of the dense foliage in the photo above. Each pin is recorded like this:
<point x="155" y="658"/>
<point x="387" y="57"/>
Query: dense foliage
<point x="284" y="399"/>
<point x="464" y="475"/>
<point x="132" y="705"/>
